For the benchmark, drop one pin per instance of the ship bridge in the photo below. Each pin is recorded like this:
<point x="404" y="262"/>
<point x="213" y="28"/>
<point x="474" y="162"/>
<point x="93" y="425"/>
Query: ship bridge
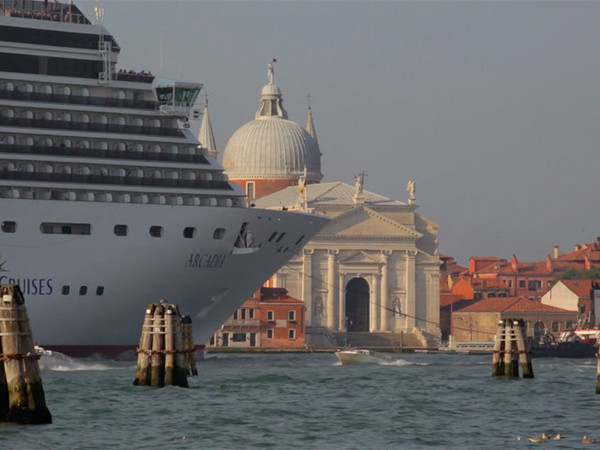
<point x="176" y="98"/>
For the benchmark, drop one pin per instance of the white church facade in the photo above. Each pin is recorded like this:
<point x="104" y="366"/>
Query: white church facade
<point x="375" y="267"/>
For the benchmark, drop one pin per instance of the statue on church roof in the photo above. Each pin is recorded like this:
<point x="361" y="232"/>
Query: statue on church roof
<point x="359" y="182"/>
<point x="410" y="187"/>
<point x="271" y="71"/>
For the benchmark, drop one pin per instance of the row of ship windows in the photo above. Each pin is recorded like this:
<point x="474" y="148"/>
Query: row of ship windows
<point x="83" y="290"/>
<point x="26" y="87"/>
<point x="119" y="197"/>
<point x="84" y="144"/>
<point x="112" y="171"/>
<point x="85" y="118"/>
<point x="10" y="226"/>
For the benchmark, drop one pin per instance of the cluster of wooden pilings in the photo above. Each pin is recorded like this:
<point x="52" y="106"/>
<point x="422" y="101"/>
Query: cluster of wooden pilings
<point x="509" y="350"/>
<point x="166" y="352"/>
<point x="22" y="397"/>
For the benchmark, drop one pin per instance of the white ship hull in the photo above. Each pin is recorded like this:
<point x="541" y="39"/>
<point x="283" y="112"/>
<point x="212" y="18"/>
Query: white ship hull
<point x="201" y="275"/>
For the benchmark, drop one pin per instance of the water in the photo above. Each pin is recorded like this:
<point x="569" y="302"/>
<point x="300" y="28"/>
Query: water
<point x="311" y="401"/>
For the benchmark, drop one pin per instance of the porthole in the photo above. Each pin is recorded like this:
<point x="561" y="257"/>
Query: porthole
<point x="219" y="233"/>
<point x="9" y="226"/>
<point x="83" y="290"/>
<point x="100" y="290"/>
<point x="156" y="231"/>
<point x="189" y="232"/>
<point x="120" y="230"/>
<point x="65" y="290"/>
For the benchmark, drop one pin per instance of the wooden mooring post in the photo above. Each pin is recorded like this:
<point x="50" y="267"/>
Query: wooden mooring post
<point x="22" y="397"/>
<point x="163" y="354"/>
<point x="188" y="345"/>
<point x="509" y="350"/>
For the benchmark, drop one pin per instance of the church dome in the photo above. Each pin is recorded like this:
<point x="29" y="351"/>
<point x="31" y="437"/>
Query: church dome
<point x="271" y="146"/>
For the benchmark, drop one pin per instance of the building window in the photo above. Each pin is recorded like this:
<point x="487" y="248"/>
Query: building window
<point x="250" y="190"/>
<point x="292" y="316"/>
<point x="292" y="333"/>
<point x="270" y="316"/>
<point x="243" y="311"/>
<point x="238" y="337"/>
<point x="225" y="340"/>
<point x="83" y="290"/>
<point x="120" y="230"/>
<point x="534" y="285"/>
<point x="189" y="232"/>
<point x="555" y="327"/>
<point x="156" y="231"/>
<point x="235" y="315"/>
<point x="521" y="284"/>
<point x="549" y="284"/>
<point x="251" y="313"/>
<point x="100" y="290"/>
<point x="219" y="233"/>
<point x="477" y="296"/>
<point x="581" y="309"/>
<point x="492" y="295"/>
<point x="8" y="226"/>
<point x="270" y="333"/>
<point x="508" y="283"/>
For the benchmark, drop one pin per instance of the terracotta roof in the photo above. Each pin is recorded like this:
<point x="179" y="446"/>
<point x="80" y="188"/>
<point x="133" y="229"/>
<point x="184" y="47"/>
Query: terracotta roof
<point x="592" y="251"/>
<point x="511" y="304"/>
<point x="449" y="299"/>
<point x="581" y="288"/>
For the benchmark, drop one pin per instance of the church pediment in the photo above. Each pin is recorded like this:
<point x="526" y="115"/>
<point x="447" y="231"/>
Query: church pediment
<point x="359" y="257"/>
<point x="364" y="222"/>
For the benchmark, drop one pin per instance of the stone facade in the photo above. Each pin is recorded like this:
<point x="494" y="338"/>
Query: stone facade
<point x="374" y="268"/>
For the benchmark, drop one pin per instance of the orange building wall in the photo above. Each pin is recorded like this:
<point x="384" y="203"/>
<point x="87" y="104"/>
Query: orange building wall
<point x="281" y="325"/>
<point x="265" y="187"/>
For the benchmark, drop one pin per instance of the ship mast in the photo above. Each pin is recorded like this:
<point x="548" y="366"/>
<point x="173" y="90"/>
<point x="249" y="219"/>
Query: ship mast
<point x="104" y="47"/>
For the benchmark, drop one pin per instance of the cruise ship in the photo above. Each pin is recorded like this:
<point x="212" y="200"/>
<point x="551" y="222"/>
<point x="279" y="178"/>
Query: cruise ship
<point x="108" y="202"/>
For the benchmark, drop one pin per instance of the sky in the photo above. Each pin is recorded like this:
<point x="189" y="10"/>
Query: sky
<point x="492" y="108"/>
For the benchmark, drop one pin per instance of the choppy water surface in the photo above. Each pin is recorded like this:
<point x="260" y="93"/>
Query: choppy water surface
<point x="311" y="401"/>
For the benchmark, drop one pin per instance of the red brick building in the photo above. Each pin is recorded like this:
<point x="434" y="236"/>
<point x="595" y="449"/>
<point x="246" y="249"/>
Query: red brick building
<point x="271" y="319"/>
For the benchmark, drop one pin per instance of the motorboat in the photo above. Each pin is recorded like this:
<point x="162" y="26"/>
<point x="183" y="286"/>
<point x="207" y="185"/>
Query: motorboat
<point x="362" y="356"/>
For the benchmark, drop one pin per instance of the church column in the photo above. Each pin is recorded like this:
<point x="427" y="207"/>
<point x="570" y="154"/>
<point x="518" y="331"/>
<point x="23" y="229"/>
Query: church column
<point x="341" y="325"/>
<point x="433" y="303"/>
<point x="411" y="289"/>
<point x="331" y="290"/>
<point x="384" y="289"/>
<point x="307" y="283"/>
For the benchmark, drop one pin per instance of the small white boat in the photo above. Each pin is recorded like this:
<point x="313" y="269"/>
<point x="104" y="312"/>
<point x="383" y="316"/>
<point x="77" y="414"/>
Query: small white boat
<point x="362" y="356"/>
<point x="50" y="359"/>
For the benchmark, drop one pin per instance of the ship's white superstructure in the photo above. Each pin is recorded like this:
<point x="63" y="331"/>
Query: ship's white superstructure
<point x="107" y="200"/>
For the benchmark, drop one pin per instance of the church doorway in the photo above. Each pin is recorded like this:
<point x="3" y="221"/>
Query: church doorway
<point x="357" y="305"/>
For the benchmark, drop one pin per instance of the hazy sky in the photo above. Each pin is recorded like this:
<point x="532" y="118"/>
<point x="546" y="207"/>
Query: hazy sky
<point x="493" y="108"/>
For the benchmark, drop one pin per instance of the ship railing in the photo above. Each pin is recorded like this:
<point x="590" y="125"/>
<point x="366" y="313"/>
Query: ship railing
<point x="20" y="175"/>
<point x="88" y="126"/>
<point x="6" y="94"/>
<point x="102" y="153"/>
<point x="43" y="10"/>
<point x="136" y="77"/>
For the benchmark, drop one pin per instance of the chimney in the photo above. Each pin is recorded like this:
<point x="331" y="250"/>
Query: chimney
<point x="556" y="253"/>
